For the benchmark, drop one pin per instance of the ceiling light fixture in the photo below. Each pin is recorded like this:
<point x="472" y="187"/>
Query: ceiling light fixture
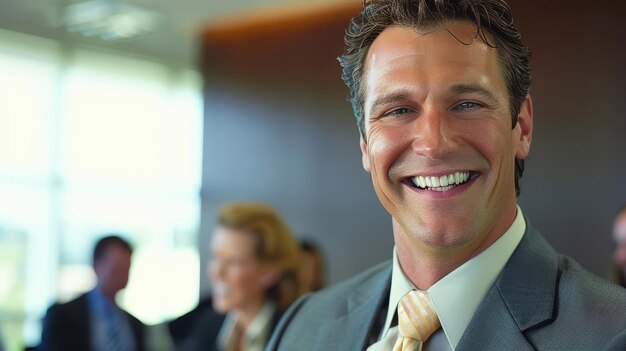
<point x="110" y="20"/>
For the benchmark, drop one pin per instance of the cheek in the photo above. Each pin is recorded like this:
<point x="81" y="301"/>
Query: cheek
<point x="213" y="268"/>
<point x="385" y="145"/>
<point x="122" y="276"/>
<point x="108" y="273"/>
<point x="488" y="136"/>
<point x="244" y="281"/>
<point x="497" y="146"/>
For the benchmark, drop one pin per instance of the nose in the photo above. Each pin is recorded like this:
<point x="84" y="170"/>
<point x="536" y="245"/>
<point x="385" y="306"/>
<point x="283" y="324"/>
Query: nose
<point x="434" y="137"/>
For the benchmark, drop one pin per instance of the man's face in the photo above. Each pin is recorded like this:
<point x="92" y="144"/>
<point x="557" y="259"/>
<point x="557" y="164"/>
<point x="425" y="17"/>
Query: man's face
<point x="440" y="146"/>
<point x="112" y="269"/>
<point x="619" y="236"/>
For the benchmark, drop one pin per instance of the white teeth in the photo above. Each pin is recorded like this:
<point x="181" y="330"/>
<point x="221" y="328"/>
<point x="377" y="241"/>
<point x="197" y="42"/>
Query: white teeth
<point x="427" y="181"/>
<point x="435" y="181"/>
<point x="421" y="182"/>
<point x="443" y="183"/>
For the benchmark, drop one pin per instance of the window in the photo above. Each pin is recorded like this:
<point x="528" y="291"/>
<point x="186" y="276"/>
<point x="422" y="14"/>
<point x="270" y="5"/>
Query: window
<point x="93" y="142"/>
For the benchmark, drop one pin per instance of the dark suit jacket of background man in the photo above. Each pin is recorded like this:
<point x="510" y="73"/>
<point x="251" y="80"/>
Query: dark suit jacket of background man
<point x="540" y="300"/>
<point x="67" y="327"/>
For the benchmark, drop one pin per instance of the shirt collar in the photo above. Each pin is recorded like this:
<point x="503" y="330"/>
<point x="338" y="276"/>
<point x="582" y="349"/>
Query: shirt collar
<point x="457" y="295"/>
<point x="256" y="334"/>
<point x="99" y="303"/>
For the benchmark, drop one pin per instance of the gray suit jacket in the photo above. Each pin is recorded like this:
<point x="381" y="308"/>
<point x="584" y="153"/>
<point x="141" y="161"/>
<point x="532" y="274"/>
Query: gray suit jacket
<point x="540" y="301"/>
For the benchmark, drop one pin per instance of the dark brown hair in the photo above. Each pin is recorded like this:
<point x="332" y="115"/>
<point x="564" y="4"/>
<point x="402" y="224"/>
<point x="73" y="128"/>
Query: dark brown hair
<point x="494" y="24"/>
<point x="107" y="241"/>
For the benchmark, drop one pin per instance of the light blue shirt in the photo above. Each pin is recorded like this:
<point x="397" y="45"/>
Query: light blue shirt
<point x="102" y="313"/>
<point x="455" y="296"/>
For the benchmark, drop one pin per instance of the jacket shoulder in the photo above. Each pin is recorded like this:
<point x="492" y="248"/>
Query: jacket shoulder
<point x="548" y="302"/>
<point x="65" y="326"/>
<point x="334" y="298"/>
<point x="584" y="293"/>
<point x="77" y="305"/>
<point x="305" y="324"/>
<point x="589" y="311"/>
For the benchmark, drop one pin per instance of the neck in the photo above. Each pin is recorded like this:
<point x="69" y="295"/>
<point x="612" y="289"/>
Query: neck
<point x="109" y="295"/>
<point x="424" y="270"/>
<point x="247" y="314"/>
<point x="425" y="265"/>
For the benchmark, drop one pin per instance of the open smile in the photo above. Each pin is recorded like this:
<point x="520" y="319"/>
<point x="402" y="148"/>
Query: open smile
<point x="442" y="183"/>
<point x="221" y="288"/>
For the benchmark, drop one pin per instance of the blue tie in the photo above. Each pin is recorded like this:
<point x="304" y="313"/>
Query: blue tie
<point x="115" y="333"/>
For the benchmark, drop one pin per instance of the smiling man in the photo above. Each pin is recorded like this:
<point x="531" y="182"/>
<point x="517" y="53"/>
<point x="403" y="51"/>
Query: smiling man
<point x="440" y="90"/>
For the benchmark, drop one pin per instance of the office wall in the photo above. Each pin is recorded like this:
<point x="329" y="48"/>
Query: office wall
<point x="278" y="129"/>
<point x="575" y="173"/>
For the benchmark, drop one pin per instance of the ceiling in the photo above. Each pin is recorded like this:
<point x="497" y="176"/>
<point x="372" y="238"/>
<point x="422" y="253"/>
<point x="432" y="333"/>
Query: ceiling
<point x="175" y="42"/>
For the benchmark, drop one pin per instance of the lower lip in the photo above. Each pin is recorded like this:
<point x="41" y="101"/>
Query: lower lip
<point x="444" y="194"/>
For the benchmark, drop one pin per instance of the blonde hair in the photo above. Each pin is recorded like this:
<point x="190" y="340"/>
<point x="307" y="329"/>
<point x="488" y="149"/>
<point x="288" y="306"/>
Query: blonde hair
<point x="276" y="245"/>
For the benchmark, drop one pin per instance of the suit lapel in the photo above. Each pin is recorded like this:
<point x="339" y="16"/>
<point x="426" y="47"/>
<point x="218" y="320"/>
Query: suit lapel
<point x="493" y="328"/>
<point x="522" y="297"/>
<point x="352" y="330"/>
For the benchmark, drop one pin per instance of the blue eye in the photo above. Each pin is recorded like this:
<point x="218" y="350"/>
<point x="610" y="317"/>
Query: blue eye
<point x="468" y="105"/>
<point x="399" y="111"/>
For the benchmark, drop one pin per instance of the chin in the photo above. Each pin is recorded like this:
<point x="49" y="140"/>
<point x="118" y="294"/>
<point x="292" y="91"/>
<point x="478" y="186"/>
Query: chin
<point x="442" y="237"/>
<point x="444" y="242"/>
<point x="221" y="306"/>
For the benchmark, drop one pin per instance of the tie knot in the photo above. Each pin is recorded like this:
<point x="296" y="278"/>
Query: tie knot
<point x="417" y="318"/>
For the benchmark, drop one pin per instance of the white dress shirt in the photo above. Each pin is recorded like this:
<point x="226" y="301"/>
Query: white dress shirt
<point x="255" y="336"/>
<point x="455" y="296"/>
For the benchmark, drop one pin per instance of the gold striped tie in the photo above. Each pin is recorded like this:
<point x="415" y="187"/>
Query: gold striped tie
<point x="417" y="321"/>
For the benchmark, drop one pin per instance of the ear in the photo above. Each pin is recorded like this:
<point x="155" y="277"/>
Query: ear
<point x="364" y="156"/>
<point x="269" y="278"/>
<point x="525" y="125"/>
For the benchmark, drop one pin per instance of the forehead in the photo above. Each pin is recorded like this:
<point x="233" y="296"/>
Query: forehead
<point x="114" y="253"/>
<point x="116" y="249"/>
<point x="400" y="40"/>
<point x="450" y="52"/>
<point x="233" y="240"/>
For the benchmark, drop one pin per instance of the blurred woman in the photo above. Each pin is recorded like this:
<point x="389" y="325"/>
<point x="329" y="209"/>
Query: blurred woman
<point x="254" y="277"/>
<point x="619" y="254"/>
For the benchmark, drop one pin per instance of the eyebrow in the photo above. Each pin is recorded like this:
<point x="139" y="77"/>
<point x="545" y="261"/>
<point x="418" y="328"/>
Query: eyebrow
<point x="395" y="96"/>
<point x="461" y="89"/>
<point x="458" y="89"/>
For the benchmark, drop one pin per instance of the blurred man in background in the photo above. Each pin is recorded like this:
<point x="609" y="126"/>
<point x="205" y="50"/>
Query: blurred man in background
<point x="93" y="321"/>
<point x="619" y="255"/>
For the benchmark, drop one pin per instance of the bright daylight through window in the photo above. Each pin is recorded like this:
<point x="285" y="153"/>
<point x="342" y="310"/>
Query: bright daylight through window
<point x="90" y="143"/>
